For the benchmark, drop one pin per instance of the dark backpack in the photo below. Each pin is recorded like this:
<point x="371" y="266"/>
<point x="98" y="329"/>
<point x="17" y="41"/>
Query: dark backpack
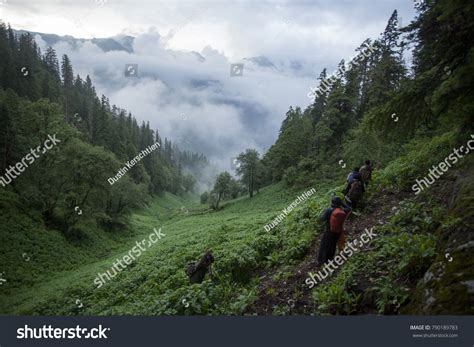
<point x="365" y="172"/>
<point x="197" y="271"/>
<point x="191" y="268"/>
<point x="356" y="191"/>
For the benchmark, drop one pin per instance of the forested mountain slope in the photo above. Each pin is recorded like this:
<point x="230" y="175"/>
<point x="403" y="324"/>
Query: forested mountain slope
<point x="410" y="120"/>
<point x="101" y="165"/>
<point x="63" y="223"/>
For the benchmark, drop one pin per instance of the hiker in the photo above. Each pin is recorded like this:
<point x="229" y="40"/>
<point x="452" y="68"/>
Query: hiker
<point x="197" y="272"/>
<point x="366" y="173"/>
<point x="355" y="192"/>
<point x="353" y="174"/>
<point x="334" y="218"/>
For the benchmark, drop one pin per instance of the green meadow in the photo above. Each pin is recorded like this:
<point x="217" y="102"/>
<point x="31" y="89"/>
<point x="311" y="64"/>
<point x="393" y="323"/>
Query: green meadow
<point x="156" y="282"/>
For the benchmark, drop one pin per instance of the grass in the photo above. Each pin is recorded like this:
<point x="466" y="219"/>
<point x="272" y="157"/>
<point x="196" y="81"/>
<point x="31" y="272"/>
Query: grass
<point x="155" y="283"/>
<point x="61" y="272"/>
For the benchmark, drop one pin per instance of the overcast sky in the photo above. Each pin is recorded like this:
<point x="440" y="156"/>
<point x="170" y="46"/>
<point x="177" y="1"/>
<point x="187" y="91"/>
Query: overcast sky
<point x="196" y="101"/>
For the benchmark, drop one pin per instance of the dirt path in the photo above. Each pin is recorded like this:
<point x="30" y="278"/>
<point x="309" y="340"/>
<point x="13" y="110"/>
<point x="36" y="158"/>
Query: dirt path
<point x="292" y="292"/>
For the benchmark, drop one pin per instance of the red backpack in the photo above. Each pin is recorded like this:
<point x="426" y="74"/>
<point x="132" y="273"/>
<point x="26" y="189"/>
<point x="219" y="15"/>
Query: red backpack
<point x="336" y="221"/>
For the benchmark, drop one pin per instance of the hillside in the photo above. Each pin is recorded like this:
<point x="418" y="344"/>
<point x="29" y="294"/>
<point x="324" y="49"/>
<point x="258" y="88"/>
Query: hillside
<point x="264" y="272"/>
<point x="156" y="282"/>
<point x="420" y="261"/>
<point x="110" y="192"/>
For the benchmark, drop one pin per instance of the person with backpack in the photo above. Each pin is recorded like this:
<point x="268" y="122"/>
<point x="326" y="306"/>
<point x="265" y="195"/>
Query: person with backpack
<point x="354" y="174"/>
<point x="334" y="218"/>
<point x="197" y="271"/>
<point x="355" y="192"/>
<point x="366" y="172"/>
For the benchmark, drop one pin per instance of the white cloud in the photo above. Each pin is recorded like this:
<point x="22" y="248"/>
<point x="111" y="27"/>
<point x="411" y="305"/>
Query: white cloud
<point x="223" y="115"/>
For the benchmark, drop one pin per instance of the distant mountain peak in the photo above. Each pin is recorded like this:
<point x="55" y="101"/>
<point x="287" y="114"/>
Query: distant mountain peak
<point x="261" y="61"/>
<point x="117" y="43"/>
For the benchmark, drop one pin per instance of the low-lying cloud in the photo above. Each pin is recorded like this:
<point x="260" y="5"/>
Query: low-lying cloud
<point x="184" y="52"/>
<point x="190" y="97"/>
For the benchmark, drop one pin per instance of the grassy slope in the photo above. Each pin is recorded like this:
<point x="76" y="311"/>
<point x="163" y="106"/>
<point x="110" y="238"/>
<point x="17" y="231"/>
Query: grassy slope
<point x="155" y="283"/>
<point x="405" y="269"/>
<point x="32" y="254"/>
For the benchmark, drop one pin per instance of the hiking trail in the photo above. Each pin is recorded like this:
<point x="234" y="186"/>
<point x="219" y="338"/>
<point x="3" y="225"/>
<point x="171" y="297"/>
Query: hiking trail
<point x="293" y="292"/>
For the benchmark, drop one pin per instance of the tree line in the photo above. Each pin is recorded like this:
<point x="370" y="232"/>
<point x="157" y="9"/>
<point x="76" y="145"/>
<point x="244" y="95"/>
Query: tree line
<point x="40" y="96"/>
<point x="416" y="83"/>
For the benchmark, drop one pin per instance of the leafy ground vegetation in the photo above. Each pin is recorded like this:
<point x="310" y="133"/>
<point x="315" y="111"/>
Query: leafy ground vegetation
<point x="156" y="283"/>
<point x="390" y="276"/>
<point x="420" y="262"/>
<point x="417" y="236"/>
